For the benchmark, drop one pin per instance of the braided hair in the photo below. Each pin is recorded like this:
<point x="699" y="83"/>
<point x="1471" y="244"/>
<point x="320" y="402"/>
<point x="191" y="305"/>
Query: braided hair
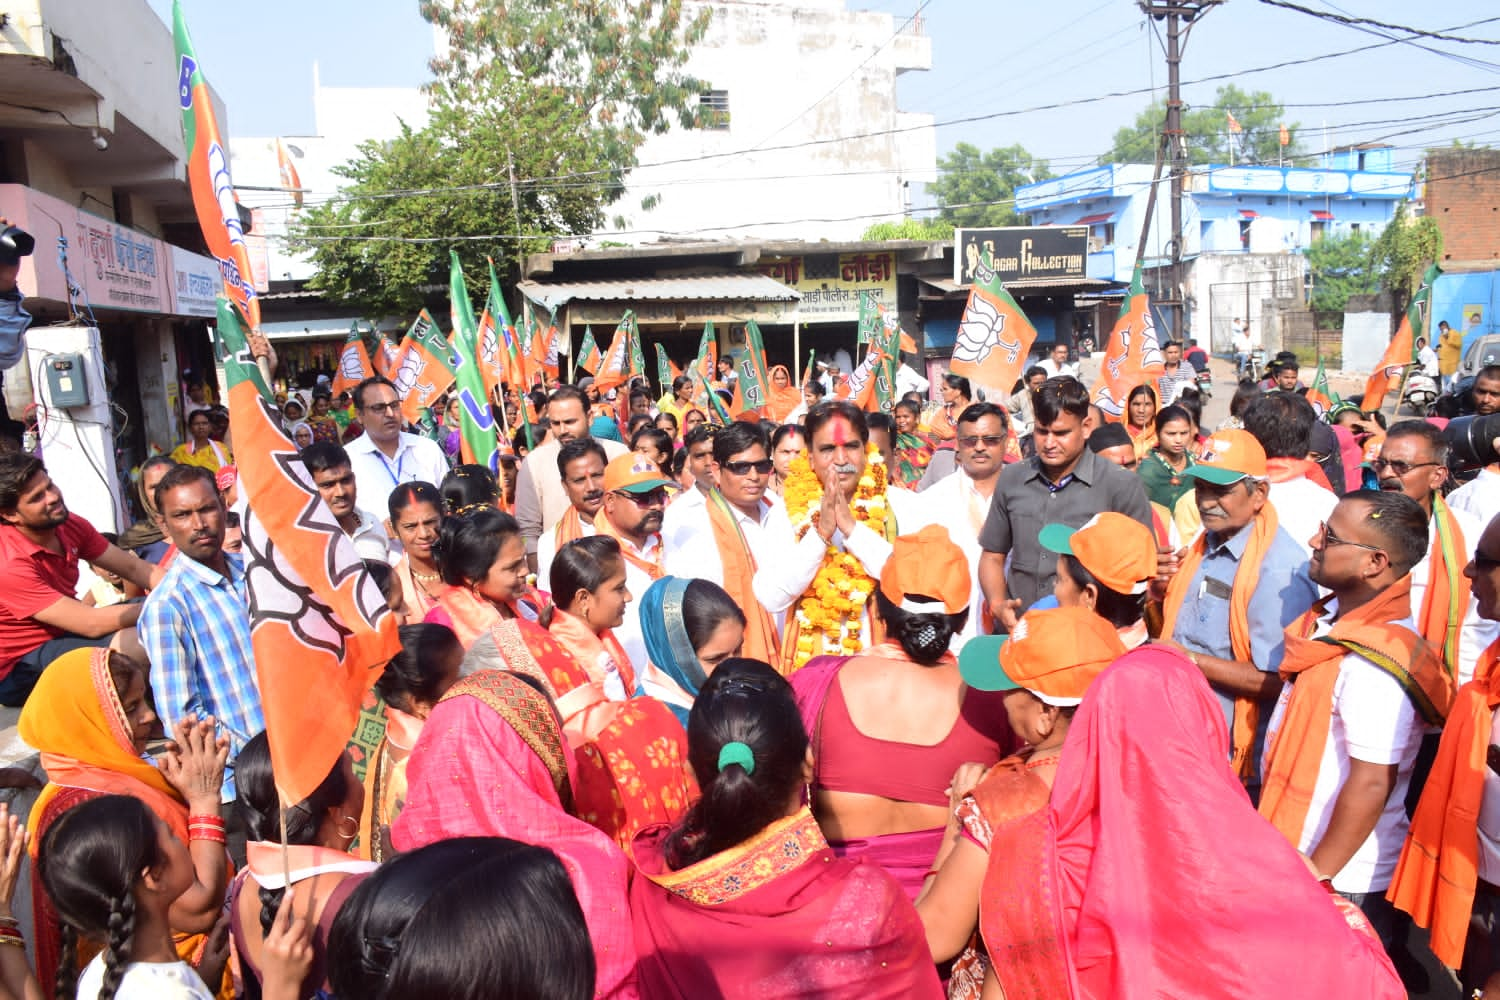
<point x="258" y="806"/>
<point x="90" y="860"/>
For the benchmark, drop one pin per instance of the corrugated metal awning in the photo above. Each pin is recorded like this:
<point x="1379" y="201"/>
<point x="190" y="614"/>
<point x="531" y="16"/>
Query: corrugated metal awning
<point x="310" y="329"/>
<point x="1095" y="220"/>
<point x="694" y="288"/>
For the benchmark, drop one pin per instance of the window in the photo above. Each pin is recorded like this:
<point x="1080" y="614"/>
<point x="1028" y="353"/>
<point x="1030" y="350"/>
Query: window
<point x="1109" y="233"/>
<point x="713" y="109"/>
<point x="1353" y="227"/>
<point x="1245" y="233"/>
<point x="1318" y="229"/>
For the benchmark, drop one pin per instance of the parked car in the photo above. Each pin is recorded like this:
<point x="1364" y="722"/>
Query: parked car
<point x="1484" y="350"/>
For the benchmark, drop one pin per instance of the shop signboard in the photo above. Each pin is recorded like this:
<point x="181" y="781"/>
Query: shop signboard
<point x="196" y="283"/>
<point x="831" y="284"/>
<point x="1022" y="252"/>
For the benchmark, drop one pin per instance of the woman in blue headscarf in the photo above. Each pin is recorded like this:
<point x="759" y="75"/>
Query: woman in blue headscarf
<point x="690" y="627"/>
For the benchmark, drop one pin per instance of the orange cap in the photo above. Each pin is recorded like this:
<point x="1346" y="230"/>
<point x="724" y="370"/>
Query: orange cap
<point x="927" y="564"/>
<point x="1054" y="653"/>
<point x="633" y="473"/>
<point x="1119" y="551"/>
<point x="1228" y="457"/>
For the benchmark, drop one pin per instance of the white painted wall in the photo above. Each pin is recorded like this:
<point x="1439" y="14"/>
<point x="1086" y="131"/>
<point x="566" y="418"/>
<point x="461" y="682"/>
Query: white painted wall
<point x="787" y="67"/>
<point x="345" y="117"/>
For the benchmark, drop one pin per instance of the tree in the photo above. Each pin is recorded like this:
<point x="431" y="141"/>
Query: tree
<point x="1340" y="268"/>
<point x="1207" y="131"/>
<point x="1403" y="252"/>
<point x="559" y="96"/>
<point x="978" y="189"/>
<point x="910" y="229"/>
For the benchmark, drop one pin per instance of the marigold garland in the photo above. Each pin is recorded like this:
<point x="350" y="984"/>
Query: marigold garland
<point x="829" y="617"/>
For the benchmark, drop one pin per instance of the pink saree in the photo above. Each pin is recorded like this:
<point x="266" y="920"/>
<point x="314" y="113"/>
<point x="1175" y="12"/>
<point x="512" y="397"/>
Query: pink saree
<point x="1166" y="881"/>
<point x="491" y="762"/>
<point x="777" y="916"/>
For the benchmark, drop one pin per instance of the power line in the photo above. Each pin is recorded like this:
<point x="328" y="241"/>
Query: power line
<point x="1353" y="22"/>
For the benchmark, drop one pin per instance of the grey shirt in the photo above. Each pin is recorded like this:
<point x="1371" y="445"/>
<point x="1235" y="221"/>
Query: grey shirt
<point x="1025" y="502"/>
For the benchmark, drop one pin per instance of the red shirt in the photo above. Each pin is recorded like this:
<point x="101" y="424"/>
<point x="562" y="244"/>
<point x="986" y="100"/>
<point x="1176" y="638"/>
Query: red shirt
<point x="34" y="580"/>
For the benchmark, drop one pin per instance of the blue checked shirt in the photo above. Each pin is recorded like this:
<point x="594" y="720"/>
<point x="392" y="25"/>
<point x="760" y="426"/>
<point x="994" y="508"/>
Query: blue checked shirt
<point x="196" y="628"/>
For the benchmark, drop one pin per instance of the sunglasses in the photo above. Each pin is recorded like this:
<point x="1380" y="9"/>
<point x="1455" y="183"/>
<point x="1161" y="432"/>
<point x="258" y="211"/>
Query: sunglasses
<point x="394" y="406"/>
<point x="763" y="467"/>
<point x="1399" y="468"/>
<point x="654" y="498"/>
<point x="990" y="440"/>
<point x="1330" y="539"/>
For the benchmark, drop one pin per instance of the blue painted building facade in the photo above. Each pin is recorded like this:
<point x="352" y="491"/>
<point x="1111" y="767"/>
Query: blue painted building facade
<point x="1225" y="209"/>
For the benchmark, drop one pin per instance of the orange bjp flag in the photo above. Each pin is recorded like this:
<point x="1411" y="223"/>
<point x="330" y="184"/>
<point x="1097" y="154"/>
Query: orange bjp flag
<point x="214" y="200"/>
<point x="319" y="624"/>
<point x="288" y="170"/>
<point x="354" y="362"/>
<point x="1402" y="350"/>
<point x="615" y="368"/>
<point x="994" y="335"/>
<point x="1132" y="355"/>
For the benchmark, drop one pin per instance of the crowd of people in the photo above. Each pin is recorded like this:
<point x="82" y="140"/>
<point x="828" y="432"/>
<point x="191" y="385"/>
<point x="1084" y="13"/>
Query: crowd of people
<point x="986" y="696"/>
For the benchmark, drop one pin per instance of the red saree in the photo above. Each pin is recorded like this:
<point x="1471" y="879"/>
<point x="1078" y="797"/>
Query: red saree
<point x="1163" y="879"/>
<point x="777" y="916"/>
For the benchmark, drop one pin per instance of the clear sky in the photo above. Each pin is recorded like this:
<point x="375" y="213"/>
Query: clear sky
<point x="989" y="57"/>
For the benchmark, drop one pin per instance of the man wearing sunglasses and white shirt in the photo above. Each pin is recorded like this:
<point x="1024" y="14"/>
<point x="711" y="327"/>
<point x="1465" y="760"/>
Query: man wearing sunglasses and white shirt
<point x="960" y="501"/>
<point x="723" y="539"/>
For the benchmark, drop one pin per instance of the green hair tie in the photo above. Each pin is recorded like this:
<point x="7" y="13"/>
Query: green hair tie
<point x="735" y="752"/>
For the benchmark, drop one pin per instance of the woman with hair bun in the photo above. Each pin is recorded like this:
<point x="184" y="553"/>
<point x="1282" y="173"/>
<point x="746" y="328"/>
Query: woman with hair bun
<point x="744" y="897"/>
<point x="460" y="920"/>
<point x="889" y="727"/>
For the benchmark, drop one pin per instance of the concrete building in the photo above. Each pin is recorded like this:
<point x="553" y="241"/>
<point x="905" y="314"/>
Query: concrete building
<point x="786" y="80"/>
<point x="92" y="152"/>
<point x="1244" y="228"/>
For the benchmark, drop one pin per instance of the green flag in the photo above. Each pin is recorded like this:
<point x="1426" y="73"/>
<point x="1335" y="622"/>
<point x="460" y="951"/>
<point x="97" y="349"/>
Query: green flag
<point x="755" y="379"/>
<point x="588" y="353"/>
<point x="477" y="435"/>
<point x="637" y="356"/>
<point x="663" y="369"/>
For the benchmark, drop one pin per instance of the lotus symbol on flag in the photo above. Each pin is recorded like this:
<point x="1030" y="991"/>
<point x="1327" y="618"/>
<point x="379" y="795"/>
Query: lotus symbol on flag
<point x="350" y="366"/>
<point x="1107" y="402"/>
<point x="980" y="333"/>
<point x="229" y="207"/>
<point x="410" y="371"/>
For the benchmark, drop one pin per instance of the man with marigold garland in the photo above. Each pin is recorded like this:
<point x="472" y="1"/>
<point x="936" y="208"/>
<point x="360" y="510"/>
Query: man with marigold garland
<point x="830" y="540"/>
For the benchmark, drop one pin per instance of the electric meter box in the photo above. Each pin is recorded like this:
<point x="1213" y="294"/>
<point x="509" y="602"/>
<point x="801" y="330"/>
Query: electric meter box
<point x="67" y="380"/>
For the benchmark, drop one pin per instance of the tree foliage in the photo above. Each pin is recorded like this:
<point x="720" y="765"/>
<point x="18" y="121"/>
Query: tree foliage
<point x="910" y="229"/>
<point x="1206" y="131"/>
<point x="559" y="94"/>
<point x="976" y="188"/>
<point x="1340" y="267"/>
<point x="1403" y="252"/>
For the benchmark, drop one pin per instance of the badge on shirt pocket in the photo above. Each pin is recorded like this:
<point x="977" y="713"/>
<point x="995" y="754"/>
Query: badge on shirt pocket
<point x="1216" y="588"/>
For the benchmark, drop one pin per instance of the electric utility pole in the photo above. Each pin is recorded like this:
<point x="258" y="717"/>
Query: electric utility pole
<point x="1180" y="15"/>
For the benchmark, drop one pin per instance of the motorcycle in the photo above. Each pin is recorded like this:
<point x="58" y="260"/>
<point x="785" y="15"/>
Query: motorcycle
<point x="1205" y="382"/>
<point x="1421" y="392"/>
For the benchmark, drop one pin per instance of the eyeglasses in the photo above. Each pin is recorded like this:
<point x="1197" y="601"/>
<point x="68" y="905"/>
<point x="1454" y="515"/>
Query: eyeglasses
<point x="653" y="498"/>
<point x="764" y="467"/>
<point x="1399" y="468"/>
<point x="990" y="440"/>
<point x="394" y="406"/>
<point x="1330" y="539"/>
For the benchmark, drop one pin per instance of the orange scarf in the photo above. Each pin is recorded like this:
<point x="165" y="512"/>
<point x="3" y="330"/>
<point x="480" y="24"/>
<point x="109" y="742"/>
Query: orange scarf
<point x="652" y="567"/>
<point x="1282" y="470"/>
<point x="575" y="636"/>
<point x="781" y="402"/>
<point x="1438" y="872"/>
<point x="739" y="575"/>
<point x="1447" y="597"/>
<point x="1311" y="666"/>
<point x="1246" y="710"/>
<point x="569" y="528"/>
<point x="472" y="616"/>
